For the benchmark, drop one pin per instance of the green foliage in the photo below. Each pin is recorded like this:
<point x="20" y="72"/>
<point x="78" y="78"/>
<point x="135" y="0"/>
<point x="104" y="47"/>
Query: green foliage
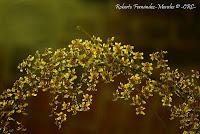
<point x="71" y="75"/>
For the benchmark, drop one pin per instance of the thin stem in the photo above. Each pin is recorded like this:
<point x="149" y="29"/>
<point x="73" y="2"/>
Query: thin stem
<point x="79" y="28"/>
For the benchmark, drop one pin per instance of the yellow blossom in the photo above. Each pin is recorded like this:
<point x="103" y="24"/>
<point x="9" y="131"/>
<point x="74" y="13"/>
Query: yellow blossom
<point x="138" y="56"/>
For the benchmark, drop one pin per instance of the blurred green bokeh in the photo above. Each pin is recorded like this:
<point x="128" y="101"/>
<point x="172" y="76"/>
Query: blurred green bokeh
<point x="29" y="25"/>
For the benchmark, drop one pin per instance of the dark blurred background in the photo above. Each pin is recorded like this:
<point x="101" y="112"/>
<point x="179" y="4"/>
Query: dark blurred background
<point x="29" y="25"/>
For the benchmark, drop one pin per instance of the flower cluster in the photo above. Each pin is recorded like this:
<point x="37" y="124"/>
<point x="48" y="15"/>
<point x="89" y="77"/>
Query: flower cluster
<point x="71" y="76"/>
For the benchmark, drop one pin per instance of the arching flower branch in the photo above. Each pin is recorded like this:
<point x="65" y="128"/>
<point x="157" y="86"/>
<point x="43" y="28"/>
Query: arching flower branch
<point x="71" y="74"/>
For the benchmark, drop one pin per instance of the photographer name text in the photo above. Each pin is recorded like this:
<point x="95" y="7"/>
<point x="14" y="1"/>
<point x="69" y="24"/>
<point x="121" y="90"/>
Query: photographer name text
<point x="152" y="6"/>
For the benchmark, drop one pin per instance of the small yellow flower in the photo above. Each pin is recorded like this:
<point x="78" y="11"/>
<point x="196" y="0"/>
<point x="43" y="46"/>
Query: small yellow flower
<point x="188" y="132"/>
<point x="162" y="63"/>
<point x="138" y="56"/>
<point x="137" y="100"/>
<point x="135" y="79"/>
<point x="85" y="106"/>
<point x="125" y="61"/>
<point x="61" y="117"/>
<point x="74" y="109"/>
<point x="154" y="56"/>
<point x="117" y="48"/>
<point x="65" y="106"/>
<point x="166" y="100"/>
<point x="87" y="98"/>
<point x="147" y="67"/>
<point x="125" y="94"/>
<point x="93" y="76"/>
<point x="140" y="110"/>
<point x="128" y="49"/>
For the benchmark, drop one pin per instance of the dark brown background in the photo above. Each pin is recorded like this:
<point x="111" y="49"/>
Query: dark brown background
<point x="26" y="26"/>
